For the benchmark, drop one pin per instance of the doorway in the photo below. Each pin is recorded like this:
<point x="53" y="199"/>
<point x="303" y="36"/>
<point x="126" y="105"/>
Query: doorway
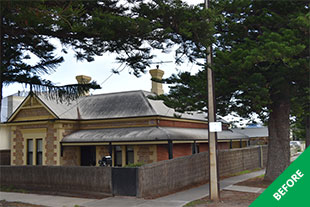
<point x="88" y="156"/>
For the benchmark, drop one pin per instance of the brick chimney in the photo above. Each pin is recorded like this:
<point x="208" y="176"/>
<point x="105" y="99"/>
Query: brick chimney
<point x="83" y="79"/>
<point x="157" y="87"/>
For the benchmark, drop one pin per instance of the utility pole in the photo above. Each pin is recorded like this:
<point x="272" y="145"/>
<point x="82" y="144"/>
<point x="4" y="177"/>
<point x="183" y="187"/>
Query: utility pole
<point x="213" y="169"/>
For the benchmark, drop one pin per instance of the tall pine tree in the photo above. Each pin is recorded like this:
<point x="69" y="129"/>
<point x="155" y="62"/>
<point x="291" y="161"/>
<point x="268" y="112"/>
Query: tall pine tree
<point x="92" y="28"/>
<point x="261" y="65"/>
<point x="26" y="49"/>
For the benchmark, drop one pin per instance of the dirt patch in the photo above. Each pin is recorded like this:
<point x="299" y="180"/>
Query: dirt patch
<point x="258" y="182"/>
<point x="228" y="199"/>
<point x="4" y="203"/>
<point x="234" y="198"/>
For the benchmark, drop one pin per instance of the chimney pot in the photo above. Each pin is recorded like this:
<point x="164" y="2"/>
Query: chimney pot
<point x="83" y="79"/>
<point x="157" y="87"/>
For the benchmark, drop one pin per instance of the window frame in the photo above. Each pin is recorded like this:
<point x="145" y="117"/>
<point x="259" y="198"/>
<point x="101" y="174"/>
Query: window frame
<point x="29" y="161"/>
<point x="130" y="151"/>
<point x="34" y="152"/>
<point x="38" y="133"/>
<point x="116" y="158"/>
<point x="39" y="152"/>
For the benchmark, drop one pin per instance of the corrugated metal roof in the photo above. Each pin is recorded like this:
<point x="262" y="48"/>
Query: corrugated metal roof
<point x="115" y="105"/>
<point x="229" y="134"/>
<point x="145" y="134"/>
<point x="161" y="109"/>
<point x="61" y="110"/>
<point x="253" y="132"/>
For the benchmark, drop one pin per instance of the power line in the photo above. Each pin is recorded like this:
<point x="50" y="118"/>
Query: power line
<point x="81" y="99"/>
<point x="111" y="74"/>
<point x="104" y="81"/>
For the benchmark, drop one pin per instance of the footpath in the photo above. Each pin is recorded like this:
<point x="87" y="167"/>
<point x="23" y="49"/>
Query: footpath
<point x="174" y="200"/>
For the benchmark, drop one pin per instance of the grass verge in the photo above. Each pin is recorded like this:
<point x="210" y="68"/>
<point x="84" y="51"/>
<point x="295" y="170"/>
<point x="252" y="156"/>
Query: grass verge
<point x="11" y="189"/>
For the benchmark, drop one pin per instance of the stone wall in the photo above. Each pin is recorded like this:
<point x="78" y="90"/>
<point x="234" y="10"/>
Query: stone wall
<point x="145" y="153"/>
<point x="87" y="180"/>
<point x="17" y="152"/>
<point x="51" y="145"/>
<point x="71" y="156"/>
<point x="51" y="134"/>
<point x="35" y="112"/>
<point x="101" y="151"/>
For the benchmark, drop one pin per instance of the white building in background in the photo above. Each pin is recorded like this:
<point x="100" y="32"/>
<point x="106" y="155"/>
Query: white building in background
<point x="9" y="104"/>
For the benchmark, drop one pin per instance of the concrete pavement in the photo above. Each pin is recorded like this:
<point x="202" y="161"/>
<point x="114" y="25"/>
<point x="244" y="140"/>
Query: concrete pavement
<point x="253" y="189"/>
<point x="246" y="189"/>
<point x="45" y="200"/>
<point x="174" y="200"/>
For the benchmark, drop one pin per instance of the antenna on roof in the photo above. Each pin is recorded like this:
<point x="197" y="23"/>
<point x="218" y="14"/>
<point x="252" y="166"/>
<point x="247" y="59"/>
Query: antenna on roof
<point x="160" y="62"/>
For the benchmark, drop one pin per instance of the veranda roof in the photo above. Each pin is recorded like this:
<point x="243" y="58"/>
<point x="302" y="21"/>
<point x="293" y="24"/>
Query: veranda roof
<point x="132" y="134"/>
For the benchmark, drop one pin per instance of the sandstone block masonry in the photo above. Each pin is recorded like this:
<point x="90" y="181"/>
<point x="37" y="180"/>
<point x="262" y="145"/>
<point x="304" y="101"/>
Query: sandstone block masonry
<point x="18" y="148"/>
<point x="71" y="156"/>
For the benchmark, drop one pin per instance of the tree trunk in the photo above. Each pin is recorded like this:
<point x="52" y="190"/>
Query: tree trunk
<point x="307" y="130"/>
<point x="279" y="140"/>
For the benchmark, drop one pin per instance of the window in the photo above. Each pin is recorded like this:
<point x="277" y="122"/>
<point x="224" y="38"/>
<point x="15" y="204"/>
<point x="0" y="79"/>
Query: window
<point x="195" y="148"/>
<point x="39" y="152"/>
<point x="34" y="151"/>
<point x="129" y="155"/>
<point x="29" y="152"/>
<point x="118" y="156"/>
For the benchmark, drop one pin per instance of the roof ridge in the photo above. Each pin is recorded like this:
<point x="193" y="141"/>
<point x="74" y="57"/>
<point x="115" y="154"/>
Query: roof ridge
<point x="148" y="102"/>
<point x="102" y="94"/>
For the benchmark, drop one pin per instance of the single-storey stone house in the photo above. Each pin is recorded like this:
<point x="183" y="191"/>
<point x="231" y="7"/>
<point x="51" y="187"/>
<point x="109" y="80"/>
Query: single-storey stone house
<point x="128" y="126"/>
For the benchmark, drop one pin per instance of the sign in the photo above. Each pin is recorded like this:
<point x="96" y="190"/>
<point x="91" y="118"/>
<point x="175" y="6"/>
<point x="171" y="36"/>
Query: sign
<point x="215" y="126"/>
